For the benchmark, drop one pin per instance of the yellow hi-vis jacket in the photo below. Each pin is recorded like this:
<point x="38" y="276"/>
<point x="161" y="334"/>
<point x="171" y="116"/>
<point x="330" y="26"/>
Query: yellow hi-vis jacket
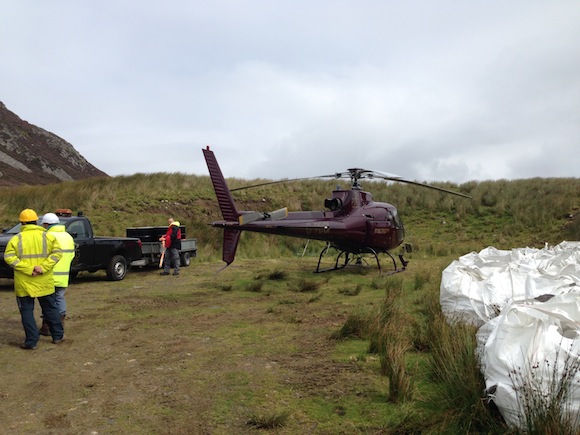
<point x="67" y="245"/>
<point x="33" y="246"/>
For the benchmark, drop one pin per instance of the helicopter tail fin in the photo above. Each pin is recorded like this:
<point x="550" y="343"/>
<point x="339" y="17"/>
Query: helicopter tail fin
<point x="224" y="196"/>
<point x="227" y="207"/>
<point x="231" y="238"/>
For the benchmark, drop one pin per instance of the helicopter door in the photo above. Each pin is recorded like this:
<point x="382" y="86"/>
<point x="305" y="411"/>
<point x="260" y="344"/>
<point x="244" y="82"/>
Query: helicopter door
<point x="380" y="234"/>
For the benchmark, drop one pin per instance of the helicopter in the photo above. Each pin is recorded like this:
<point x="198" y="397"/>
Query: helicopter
<point x="352" y="224"/>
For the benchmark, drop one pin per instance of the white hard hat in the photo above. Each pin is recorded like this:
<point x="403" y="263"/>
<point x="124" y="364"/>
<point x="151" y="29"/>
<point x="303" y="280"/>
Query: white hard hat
<point x="50" y="218"/>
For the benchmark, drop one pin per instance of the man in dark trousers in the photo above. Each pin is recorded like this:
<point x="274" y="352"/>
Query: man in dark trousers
<point x="172" y="240"/>
<point x="32" y="254"/>
<point x="61" y="270"/>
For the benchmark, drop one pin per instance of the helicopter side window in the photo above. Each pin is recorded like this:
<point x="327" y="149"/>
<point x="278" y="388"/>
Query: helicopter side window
<point x="333" y="204"/>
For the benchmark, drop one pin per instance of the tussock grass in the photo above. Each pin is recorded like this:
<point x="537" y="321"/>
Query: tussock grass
<point x="393" y="365"/>
<point x="305" y="286"/>
<point x="315" y="298"/>
<point x="421" y="278"/>
<point x="356" y="326"/>
<point x="273" y="275"/>
<point x="388" y="312"/>
<point x="459" y="383"/>
<point x="268" y="420"/>
<point x="377" y="282"/>
<point x="277" y="275"/>
<point x="351" y="291"/>
<point x="255" y="286"/>
<point x="389" y="332"/>
<point x="545" y="396"/>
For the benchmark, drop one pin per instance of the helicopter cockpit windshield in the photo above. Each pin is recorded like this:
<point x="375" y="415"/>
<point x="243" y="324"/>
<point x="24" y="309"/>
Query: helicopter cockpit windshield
<point x="397" y="219"/>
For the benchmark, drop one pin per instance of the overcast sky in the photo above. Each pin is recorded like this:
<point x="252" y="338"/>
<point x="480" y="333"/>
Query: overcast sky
<point x="444" y="90"/>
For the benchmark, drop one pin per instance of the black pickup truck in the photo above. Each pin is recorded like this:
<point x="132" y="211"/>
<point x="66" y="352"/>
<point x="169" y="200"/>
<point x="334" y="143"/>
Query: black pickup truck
<point x="112" y="254"/>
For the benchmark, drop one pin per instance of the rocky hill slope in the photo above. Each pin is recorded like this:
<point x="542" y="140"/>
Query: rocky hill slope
<point x="30" y="155"/>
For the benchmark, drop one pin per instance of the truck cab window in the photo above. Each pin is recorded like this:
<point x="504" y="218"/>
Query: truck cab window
<point x="77" y="230"/>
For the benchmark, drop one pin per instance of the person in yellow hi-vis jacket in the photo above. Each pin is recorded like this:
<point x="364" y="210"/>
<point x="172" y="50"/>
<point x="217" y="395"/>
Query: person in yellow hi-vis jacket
<point x="32" y="254"/>
<point x="61" y="271"/>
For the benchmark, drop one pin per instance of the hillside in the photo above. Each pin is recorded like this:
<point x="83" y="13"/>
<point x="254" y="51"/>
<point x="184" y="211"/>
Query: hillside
<point x="502" y="213"/>
<point x="30" y="155"/>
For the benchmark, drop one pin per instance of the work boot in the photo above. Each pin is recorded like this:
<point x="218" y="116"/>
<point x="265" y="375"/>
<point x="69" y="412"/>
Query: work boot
<point x="44" y="329"/>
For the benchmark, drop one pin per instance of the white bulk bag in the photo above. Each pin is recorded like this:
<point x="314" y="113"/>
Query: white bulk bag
<point x="477" y="286"/>
<point x="533" y="343"/>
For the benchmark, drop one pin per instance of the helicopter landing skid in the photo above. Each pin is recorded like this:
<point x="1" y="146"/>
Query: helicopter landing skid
<point x="358" y="259"/>
<point x="403" y="262"/>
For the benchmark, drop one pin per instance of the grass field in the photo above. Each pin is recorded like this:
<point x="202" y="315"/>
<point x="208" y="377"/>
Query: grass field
<point x="251" y="347"/>
<point x="266" y="345"/>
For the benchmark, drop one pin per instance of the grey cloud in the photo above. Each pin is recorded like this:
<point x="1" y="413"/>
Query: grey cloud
<point x="431" y="91"/>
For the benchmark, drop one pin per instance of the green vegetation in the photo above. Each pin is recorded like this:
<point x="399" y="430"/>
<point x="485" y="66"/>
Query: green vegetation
<point x="502" y="213"/>
<point x="266" y="346"/>
<point x="268" y="421"/>
<point x="545" y="396"/>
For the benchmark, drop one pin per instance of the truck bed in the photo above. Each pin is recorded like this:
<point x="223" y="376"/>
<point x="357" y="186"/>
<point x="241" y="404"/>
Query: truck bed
<point x="151" y="247"/>
<point x="187" y="245"/>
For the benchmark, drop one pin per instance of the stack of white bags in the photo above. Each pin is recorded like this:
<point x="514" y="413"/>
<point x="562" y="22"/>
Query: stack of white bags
<point x="526" y="303"/>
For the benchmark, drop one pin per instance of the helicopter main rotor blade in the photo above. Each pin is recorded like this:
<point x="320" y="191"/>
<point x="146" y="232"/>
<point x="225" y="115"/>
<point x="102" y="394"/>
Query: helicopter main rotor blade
<point x="356" y="174"/>
<point x="287" y="180"/>
<point x="416" y="183"/>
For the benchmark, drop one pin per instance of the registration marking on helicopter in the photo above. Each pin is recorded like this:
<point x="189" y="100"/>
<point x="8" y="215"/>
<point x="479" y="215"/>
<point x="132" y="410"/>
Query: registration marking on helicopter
<point x="314" y="228"/>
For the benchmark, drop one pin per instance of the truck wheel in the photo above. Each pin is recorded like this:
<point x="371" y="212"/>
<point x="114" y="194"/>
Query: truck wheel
<point x="185" y="259"/>
<point x="117" y="268"/>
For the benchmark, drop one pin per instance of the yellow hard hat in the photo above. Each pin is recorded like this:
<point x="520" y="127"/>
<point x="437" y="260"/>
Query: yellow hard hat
<point x="28" y="215"/>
